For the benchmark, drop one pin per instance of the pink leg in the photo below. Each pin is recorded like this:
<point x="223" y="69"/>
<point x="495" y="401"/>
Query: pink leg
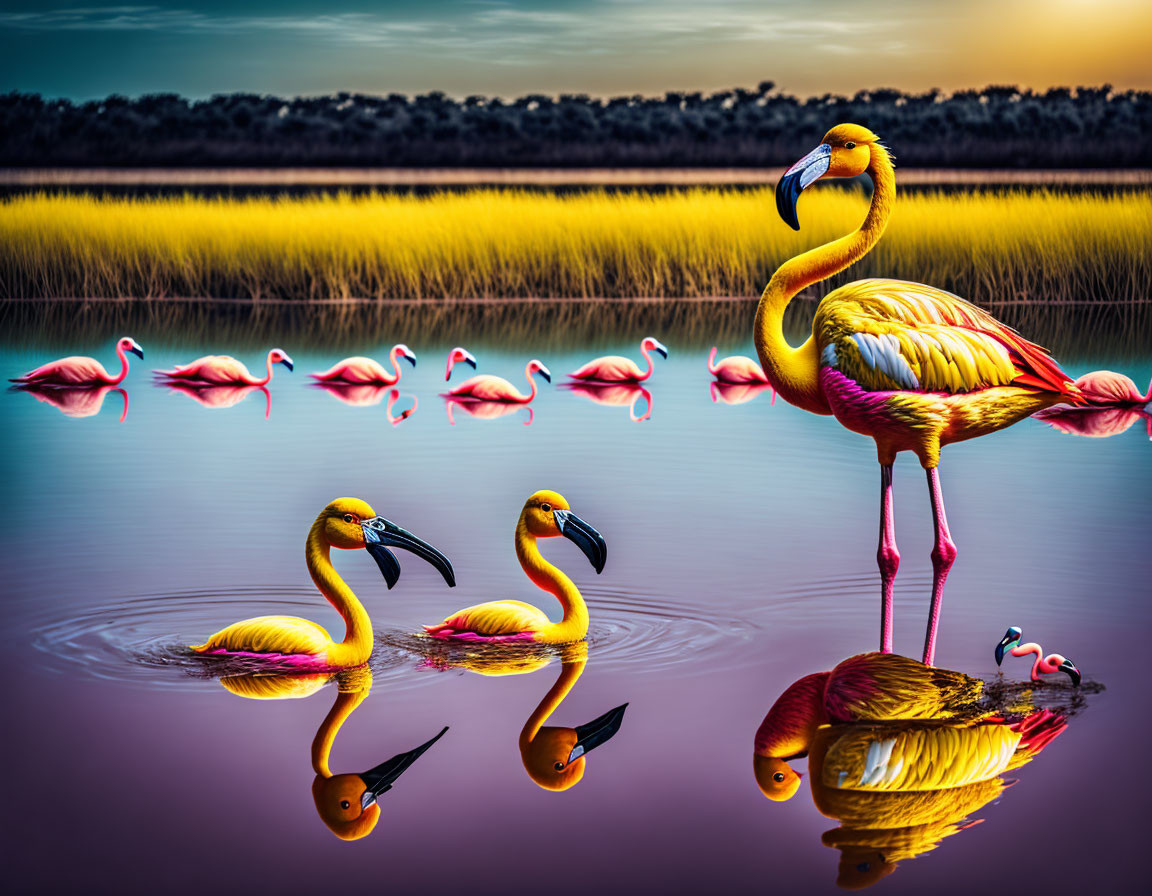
<point x="943" y="553"/>
<point x="888" y="558"/>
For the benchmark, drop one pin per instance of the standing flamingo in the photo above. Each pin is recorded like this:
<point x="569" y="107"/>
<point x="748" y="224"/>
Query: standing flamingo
<point x="1043" y="665"/>
<point x="224" y="370"/>
<point x="455" y="356"/>
<point x="617" y="368"/>
<point x="358" y="369"/>
<point x="735" y="369"/>
<point x="912" y="366"/>
<point x="486" y="387"/>
<point x="79" y="370"/>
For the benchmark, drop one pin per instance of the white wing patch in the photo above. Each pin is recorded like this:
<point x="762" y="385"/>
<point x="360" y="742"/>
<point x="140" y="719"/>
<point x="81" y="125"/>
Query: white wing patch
<point x="882" y="353"/>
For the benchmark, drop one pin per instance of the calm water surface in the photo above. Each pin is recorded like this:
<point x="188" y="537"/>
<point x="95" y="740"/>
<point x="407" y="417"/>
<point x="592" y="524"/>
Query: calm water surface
<point x="741" y="545"/>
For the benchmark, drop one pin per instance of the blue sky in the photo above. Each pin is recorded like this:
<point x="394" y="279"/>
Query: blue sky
<point x="602" y="47"/>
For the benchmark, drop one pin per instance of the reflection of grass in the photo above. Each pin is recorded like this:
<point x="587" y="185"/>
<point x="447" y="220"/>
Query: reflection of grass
<point x="991" y="245"/>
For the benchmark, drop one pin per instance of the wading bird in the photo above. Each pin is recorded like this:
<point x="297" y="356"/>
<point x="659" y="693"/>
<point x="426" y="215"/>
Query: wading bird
<point x="360" y="370"/>
<point x="456" y="356"/>
<point x="79" y="370"/>
<point x="617" y="368"/>
<point x="346" y="523"/>
<point x="912" y="366"/>
<point x="1108" y="389"/>
<point x="545" y="515"/>
<point x="735" y="369"/>
<point x="1043" y="665"/>
<point x="224" y="370"/>
<point x="486" y="387"/>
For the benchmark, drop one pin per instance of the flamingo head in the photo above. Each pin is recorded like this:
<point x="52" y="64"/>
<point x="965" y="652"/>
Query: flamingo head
<point x="537" y="366"/>
<point x="404" y="352"/>
<point x="655" y="345"/>
<point x="845" y="151"/>
<point x="279" y="356"/>
<point x="128" y="344"/>
<point x="455" y="356"/>
<point x="554" y="758"/>
<point x="546" y="514"/>
<point x="1062" y="664"/>
<point x="349" y="523"/>
<point x="1011" y="639"/>
<point x="777" y="779"/>
<point x="347" y="803"/>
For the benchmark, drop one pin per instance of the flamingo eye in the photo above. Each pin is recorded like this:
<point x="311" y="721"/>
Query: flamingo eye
<point x="778" y="777"/>
<point x="559" y="766"/>
<point x="344" y="804"/>
<point x="849" y="145"/>
<point x="348" y="517"/>
<point x="547" y="508"/>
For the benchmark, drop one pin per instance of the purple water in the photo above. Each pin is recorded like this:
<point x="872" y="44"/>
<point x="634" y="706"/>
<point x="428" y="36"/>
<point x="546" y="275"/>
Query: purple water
<point x="741" y="544"/>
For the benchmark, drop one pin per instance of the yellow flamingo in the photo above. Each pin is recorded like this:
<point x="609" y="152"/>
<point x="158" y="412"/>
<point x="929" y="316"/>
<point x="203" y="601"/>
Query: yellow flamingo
<point x="912" y="366"/>
<point x="546" y="514"/>
<point x="346" y="523"/>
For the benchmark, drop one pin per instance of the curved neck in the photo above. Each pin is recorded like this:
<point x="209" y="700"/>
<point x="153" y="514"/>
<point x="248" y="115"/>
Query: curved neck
<point x="395" y="356"/>
<point x="1033" y="648"/>
<point x="791" y="723"/>
<point x="357" y="644"/>
<point x="795" y="372"/>
<point x="346" y="701"/>
<point x="119" y="378"/>
<point x="267" y="373"/>
<point x="531" y="382"/>
<point x="123" y="413"/>
<point x="543" y="574"/>
<point x="569" y="673"/>
<point x="647" y="357"/>
<point x="711" y="362"/>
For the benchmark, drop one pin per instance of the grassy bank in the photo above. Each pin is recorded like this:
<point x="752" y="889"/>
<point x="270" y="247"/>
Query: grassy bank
<point x="1013" y="245"/>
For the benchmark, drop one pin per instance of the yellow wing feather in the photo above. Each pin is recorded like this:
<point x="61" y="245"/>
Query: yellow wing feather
<point x="270" y="634"/>
<point x="498" y="617"/>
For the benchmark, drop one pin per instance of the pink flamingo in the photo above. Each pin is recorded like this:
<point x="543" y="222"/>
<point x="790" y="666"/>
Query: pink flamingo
<point x="486" y="387"/>
<point x="224" y="396"/>
<point x="738" y="393"/>
<point x="81" y="401"/>
<point x="224" y="370"/>
<point x="1106" y="388"/>
<point x="455" y="356"/>
<point x="485" y="410"/>
<point x="79" y="370"/>
<point x="617" y="368"/>
<point x="1043" y="665"/>
<point x="365" y="370"/>
<point x="736" y="369"/>
<point x="616" y="395"/>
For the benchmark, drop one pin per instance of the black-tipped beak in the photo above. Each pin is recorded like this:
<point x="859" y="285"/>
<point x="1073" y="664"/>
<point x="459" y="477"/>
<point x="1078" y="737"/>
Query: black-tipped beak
<point x="658" y="347"/>
<point x="381" y="778"/>
<point x="287" y="362"/>
<point x="584" y="536"/>
<point x="410" y="358"/>
<point x="547" y="374"/>
<point x="470" y="361"/>
<point x="1011" y="637"/>
<point x="797" y="178"/>
<point x="380" y="534"/>
<point x="137" y="351"/>
<point x="597" y="732"/>
<point x="1069" y="668"/>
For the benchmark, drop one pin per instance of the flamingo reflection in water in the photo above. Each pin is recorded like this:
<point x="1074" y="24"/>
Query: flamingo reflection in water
<point x="616" y="395"/>
<point x="553" y="756"/>
<point x="484" y="410"/>
<point x="74" y="401"/>
<point x="363" y="395"/>
<point x="347" y="803"/>
<point x="738" y="393"/>
<point x="217" y="397"/>
<point x="901" y="754"/>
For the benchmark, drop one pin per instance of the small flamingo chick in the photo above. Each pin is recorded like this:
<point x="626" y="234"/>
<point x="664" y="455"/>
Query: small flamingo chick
<point x="79" y="370"/>
<point x="359" y="369"/>
<point x="1043" y="665"/>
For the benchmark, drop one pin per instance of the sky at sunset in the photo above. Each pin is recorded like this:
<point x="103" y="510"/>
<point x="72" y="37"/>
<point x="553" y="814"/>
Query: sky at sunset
<point x="600" y="47"/>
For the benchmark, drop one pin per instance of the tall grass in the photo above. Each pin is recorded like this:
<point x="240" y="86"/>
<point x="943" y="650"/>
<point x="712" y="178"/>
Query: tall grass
<point x="990" y="246"/>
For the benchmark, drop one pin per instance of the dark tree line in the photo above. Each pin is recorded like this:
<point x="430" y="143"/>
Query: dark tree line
<point x="994" y="127"/>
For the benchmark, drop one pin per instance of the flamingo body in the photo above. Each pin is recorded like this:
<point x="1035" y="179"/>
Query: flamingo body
<point x="80" y="370"/>
<point x="546" y="514"/>
<point x="486" y="387"/>
<point x="735" y="369"/>
<point x="224" y="370"/>
<point x="360" y="370"/>
<point x="617" y="368"/>
<point x="1106" y="388"/>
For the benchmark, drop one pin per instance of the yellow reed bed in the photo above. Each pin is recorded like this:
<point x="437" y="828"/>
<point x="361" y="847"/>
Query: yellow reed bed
<point x="1002" y="245"/>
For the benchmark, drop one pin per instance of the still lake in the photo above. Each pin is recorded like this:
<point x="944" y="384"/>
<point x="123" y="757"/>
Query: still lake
<point x="741" y="556"/>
